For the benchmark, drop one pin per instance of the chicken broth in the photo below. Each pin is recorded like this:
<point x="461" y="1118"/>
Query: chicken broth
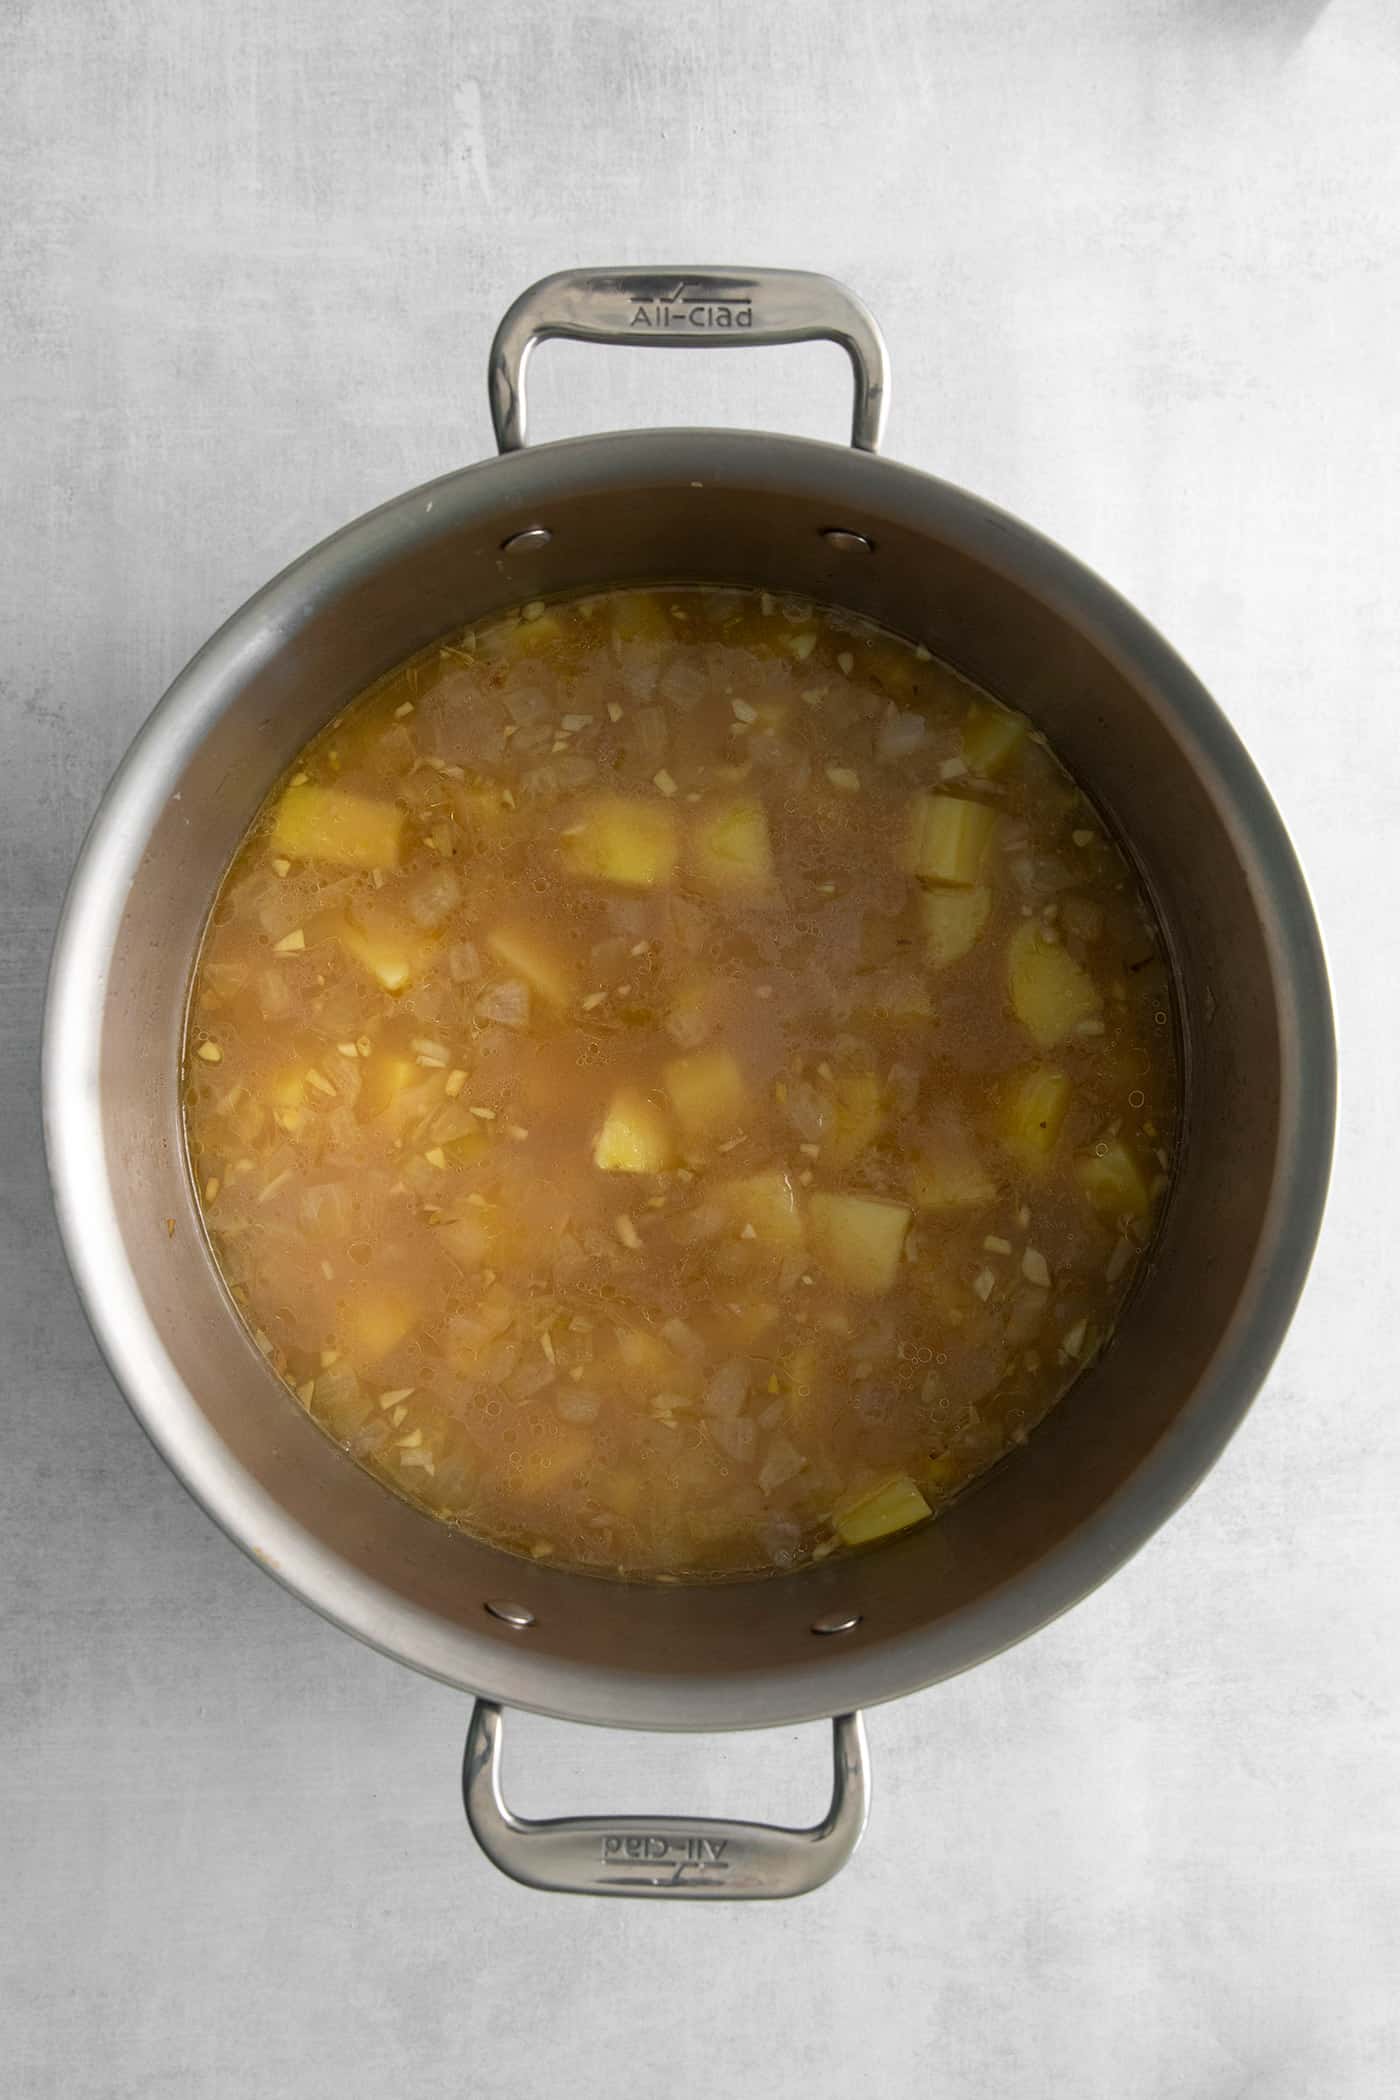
<point x="678" y="1082"/>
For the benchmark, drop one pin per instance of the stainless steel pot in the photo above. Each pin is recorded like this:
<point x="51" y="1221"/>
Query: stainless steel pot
<point x="1138" y="1430"/>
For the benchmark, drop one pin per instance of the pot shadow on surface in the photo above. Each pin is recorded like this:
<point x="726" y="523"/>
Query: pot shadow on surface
<point x="1280" y="25"/>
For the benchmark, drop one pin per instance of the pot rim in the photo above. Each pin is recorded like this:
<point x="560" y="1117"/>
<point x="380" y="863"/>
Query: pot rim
<point x="355" y="1602"/>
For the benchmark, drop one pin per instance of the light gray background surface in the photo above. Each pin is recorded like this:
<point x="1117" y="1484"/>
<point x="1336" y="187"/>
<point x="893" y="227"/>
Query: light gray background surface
<point x="1136" y="260"/>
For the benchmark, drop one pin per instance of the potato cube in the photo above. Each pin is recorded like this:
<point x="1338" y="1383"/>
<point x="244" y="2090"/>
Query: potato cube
<point x="991" y="737"/>
<point x="470" y="1239"/>
<point x="647" y="1357"/>
<point x="624" y="840"/>
<point x="539" y="960"/>
<point x="480" y="812"/>
<point x="1051" y="993"/>
<point x="947" y="837"/>
<point x="890" y="667"/>
<point x="539" y="636"/>
<point x="767" y="1202"/>
<point x="802" y="1380"/>
<point x="393" y="954"/>
<point x="858" y="1120"/>
<point x="1113" y="1181"/>
<point x="953" y="921"/>
<point x="545" y="1465"/>
<point x="708" y="1093"/>
<point x="1032" y="1117"/>
<point x="340" y="1403"/>
<point x="285" y="1093"/>
<point x="641" y="616"/>
<point x="941" y="1475"/>
<point x="635" y="1137"/>
<point x="745" y="1322"/>
<point x="387" y="1074"/>
<point x="730" y="850"/>
<point x="330" y="824"/>
<point x="949" y="1175"/>
<point x="375" y="1321"/>
<point x="875" y="1513"/>
<point x="859" y="1239"/>
<point x="695" y="1011"/>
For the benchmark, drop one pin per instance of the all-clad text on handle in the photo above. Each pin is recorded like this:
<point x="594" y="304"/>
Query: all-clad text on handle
<point x="677" y="1856"/>
<point x="676" y="309"/>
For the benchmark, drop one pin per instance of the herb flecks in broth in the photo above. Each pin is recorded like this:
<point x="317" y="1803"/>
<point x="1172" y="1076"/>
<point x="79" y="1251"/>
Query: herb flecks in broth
<point x="678" y="1083"/>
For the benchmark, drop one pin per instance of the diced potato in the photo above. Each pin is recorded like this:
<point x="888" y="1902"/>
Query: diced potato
<point x="877" y="1512"/>
<point x="1113" y="1181"/>
<point x="768" y="1202"/>
<point x="695" y="1011"/>
<point x="991" y="737"/>
<point x="745" y="1322"/>
<point x="954" y="921"/>
<point x="939" y="1476"/>
<point x="949" y="1175"/>
<point x="543" y="1466"/>
<point x="375" y="1321"/>
<point x="802" y="1378"/>
<point x="641" y="616"/>
<point x="642" y="1351"/>
<point x="1051" y="993"/>
<point x="330" y="824"/>
<point x="537" y="637"/>
<point x="285" y="1088"/>
<point x="340" y="1403"/>
<point x="468" y="1148"/>
<point x="635" y="1137"/>
<point x="730" y="850"/>
<point x="470" y="1239"/>
<point x="947" y="837"/>
<point x="393" y="954"/>
<point x="537" y="958"/>
<point x="893" y="669"/>
<point x="899" y="996"/>
<point x="386" y="1075"/>
<point x="858" y="1121"/>
<point x="708" y="1093"/>
<point x="624" y="840"/>
<point x="859" y="1239"/>
<point x="480" y="811"/>
<point x="623" y="1491"/>
<point x="1032" y="1117"/>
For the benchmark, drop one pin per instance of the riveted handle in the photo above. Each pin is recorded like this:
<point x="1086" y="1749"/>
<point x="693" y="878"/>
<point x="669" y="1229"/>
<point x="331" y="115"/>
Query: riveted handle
<point x="678" y="309"/>
<point x="694" y="1857"/>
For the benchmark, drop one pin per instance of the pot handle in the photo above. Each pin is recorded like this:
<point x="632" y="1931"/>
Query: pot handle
<point x="687" y="310"/>
<point x="672" y="1856"/>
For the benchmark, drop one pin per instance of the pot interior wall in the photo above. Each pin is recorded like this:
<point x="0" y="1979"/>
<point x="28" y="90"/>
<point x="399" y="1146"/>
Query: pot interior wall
<point x="1013" y="614"/>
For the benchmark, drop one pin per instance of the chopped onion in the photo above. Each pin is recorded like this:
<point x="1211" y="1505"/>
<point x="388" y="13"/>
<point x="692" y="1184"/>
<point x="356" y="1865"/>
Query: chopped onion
<point x="653" y="736"/>
<point x="899" y="735"/>
<point x="682" y="1338"/>
<point x="782" y="1463"/>
<point x="574" y="1405"/>
<point x="737" y="1437"/>
<point x="527" y="705"/>
<point x="434" y="897"/>
<point x="727" y="1390"/>
<point x="683" y="684"/>
<point x="508" y="1003"/>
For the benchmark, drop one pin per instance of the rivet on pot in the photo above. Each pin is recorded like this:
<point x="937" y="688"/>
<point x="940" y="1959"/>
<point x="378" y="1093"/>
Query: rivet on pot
<point x="517" y="1615"/>
<point x="845" y="541"/>
<point x="836" y="1622"/>
<point x="528" y="541"/>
